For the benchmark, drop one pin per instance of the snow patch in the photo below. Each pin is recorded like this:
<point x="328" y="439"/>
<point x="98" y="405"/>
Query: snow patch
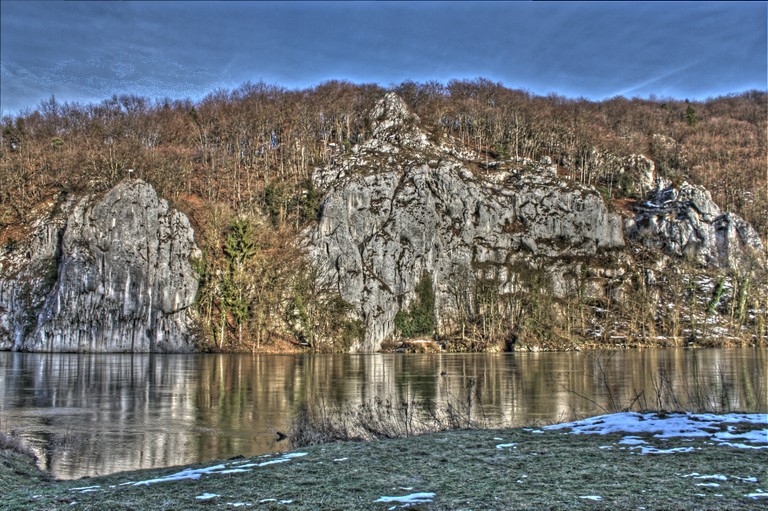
<point x="675" y="425"/>
<point x="283" y="459"/>
<point x="217" y="469"/>
<point x="413" y="498"/>
<point x="744" y="446"/>
<point x="591" y="497"/>
<point x="264" y="501"/>
<point x="86" y="489"/>
<point x="184" y="474"/>
<point x="718" y="477"/>
<point x="755" y="437"/>
<point x="654" y="450"/>
<point x="632" y="440"/>
<point x="207" y="496"/>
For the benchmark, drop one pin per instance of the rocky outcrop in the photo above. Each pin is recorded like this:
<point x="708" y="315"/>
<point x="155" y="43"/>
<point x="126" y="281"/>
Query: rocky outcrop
<point x="401" y="206"/>
<point x="684" y="221"/>
<point x="109" y="273"/>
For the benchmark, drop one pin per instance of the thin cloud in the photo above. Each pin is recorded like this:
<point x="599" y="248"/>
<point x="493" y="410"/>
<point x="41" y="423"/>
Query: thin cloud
<point x="657" y="84"/>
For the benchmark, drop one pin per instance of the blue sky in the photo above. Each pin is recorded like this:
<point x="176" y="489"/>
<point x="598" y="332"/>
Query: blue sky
<point x="88" y="51"/>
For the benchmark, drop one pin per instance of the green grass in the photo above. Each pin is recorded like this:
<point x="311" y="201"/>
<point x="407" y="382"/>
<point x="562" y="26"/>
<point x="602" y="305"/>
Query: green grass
<point x="464" y="468"/>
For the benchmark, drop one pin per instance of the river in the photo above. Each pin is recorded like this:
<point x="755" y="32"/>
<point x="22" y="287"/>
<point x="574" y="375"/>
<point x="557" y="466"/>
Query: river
<point x="89" y="414"/>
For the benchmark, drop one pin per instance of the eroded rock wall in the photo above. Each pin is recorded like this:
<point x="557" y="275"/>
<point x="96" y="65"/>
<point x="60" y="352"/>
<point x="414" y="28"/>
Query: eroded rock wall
<point x="115" y="275"/>
<point x="683" y="221"/>
<point x="401" y="206"/>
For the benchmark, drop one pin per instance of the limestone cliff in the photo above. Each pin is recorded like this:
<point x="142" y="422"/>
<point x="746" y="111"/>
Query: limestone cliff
<point x="684" y="221"/>
<point x="402" y="205"/>
<point x="107" y="273"/>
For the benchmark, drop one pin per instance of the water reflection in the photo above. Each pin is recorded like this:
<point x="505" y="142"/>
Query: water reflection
<point x="97" y="414"/>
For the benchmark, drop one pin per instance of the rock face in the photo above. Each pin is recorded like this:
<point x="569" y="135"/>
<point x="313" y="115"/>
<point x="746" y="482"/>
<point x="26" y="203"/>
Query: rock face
<point x="684" y="221"/>
<point x="113" y="274"/>
<point x="401" y="206"/>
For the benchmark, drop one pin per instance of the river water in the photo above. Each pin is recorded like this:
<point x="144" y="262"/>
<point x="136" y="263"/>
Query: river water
<point x="97" y="414"/>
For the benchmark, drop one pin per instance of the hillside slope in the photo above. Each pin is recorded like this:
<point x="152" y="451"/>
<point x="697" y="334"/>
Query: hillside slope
<point x="468" y="214"/>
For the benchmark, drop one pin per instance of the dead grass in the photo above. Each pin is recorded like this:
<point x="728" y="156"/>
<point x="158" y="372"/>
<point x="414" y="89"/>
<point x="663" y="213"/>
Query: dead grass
<point x="465" y="469"/>
<point x="14" y="443"/>
<point x="18" y="467"/>
<point x="380" y="419"/>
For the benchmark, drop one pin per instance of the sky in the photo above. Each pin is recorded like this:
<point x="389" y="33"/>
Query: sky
<point x="88" y="51"/>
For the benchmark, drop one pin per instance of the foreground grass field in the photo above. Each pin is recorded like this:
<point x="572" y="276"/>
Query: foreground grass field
<point x="719" y="462"/>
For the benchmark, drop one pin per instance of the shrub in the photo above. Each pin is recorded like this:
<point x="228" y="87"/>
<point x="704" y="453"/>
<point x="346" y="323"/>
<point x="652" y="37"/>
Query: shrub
<point x="420" y="318"/>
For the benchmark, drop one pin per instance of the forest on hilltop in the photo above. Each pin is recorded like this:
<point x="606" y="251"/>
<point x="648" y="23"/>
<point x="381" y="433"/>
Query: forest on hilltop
<point x="239" y="164"/>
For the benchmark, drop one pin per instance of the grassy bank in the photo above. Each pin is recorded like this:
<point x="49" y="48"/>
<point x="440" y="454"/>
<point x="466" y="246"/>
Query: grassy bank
<point x="459" y="469"/>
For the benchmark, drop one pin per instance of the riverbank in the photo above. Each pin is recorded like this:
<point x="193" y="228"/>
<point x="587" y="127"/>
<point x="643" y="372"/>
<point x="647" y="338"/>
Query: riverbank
<point x="633" y="461"/>
<point x="285" y="346"/>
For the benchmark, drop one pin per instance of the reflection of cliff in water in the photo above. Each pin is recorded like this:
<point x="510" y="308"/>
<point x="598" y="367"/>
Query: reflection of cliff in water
<point x="97" y="414"/>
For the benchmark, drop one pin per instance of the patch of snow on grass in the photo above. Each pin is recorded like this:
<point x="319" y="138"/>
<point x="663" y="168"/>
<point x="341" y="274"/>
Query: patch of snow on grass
<point x="711" y="485"/>
<point x="216" y="469"/>
<point x="413" y="498"/>
<point x="282" y="459"/>
<point x="673" y="426"/>
<point x="266" y="501"/>
<point x="755" y="437"/>
<point x="292" y="455"/>
<point x="718" y="477"/>
<point x="632" y="440"/>
<point x="86" y="489"/>
<point x="272" y="462"/>
<point x="207" y="496"/>
<point x="757" y="495"/>
<point x="505" y="446"/>
<point x="654" y="450"/>
<point x="591" y="497"/>
<point x="743" y="446"/>
<point x="184" y="474"/>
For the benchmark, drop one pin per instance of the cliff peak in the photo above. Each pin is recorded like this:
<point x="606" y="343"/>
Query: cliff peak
<point x="395" y="126"/>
